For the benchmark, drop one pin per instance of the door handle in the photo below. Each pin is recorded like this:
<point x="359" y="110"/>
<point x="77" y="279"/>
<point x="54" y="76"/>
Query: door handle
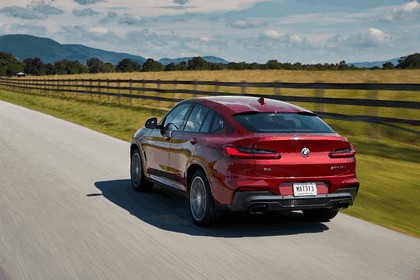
<point x="193" y="141"/>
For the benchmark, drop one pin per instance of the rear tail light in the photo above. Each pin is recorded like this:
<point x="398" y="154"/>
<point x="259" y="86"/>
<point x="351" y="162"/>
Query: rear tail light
<point x="343" y="153"/>
<point x="251" y="153"/>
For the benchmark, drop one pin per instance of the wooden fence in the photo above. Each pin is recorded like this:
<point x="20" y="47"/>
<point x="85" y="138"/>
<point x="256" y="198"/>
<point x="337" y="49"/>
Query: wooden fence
<point x="164" y="93"/>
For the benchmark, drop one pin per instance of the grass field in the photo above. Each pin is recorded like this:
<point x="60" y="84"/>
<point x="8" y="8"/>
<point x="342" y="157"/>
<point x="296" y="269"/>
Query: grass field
<point x="388" y="165"/>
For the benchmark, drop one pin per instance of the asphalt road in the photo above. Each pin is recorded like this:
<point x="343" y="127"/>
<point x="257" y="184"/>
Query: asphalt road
<point x="67" y="212"/>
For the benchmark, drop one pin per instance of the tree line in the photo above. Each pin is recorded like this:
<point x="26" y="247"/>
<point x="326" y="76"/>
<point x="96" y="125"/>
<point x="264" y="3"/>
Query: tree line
<point x="10" y="66"/>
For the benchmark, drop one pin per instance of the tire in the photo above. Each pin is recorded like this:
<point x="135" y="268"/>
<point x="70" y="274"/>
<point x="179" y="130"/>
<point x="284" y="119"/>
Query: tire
<point x="203" y="211"/>
<point x="138" y="180"/>
<point x="321" y="215"/>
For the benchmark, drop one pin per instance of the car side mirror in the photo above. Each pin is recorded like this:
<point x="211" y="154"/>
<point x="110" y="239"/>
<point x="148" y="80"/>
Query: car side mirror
<point x="151" y="123"/>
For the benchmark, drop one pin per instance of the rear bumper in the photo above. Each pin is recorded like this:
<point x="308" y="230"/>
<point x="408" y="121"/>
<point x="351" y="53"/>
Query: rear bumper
<point x="244" y="200"/>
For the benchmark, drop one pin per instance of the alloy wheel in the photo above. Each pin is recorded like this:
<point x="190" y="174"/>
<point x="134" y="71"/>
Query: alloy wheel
<point x="198" y="199"/>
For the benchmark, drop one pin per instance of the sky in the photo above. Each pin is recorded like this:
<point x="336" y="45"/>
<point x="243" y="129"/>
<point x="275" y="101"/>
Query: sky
<point x="306" y="31"/>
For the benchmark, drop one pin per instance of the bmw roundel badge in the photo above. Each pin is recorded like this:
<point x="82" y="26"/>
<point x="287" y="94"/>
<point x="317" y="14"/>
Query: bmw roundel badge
<point x="305" y="152"/>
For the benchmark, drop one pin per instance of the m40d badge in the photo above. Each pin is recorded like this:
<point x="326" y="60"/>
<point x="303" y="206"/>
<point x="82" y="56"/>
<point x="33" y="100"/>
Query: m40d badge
<point x="305" y="152"/>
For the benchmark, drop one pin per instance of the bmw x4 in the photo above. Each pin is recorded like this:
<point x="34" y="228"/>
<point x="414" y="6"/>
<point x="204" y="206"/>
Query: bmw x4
<point x="235" y="153"/>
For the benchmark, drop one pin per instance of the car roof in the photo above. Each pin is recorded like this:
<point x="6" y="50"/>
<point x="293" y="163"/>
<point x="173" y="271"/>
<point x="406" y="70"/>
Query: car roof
<point x="243" y="104"/>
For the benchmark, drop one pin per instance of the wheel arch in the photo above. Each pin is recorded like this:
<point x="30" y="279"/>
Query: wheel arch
<point x="135" y="146"/>
<point x="191" y="170"/>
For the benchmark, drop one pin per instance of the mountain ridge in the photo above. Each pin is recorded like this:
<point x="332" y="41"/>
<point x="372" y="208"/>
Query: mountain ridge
<point x="24" y="46"/>
<point x="49" y="51"/>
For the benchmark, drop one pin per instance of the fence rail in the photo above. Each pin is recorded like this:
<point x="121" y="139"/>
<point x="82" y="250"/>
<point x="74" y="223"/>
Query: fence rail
<point x="153" y="90"/>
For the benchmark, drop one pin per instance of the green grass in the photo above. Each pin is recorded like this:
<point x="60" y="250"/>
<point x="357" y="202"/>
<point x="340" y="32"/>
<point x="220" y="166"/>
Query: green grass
<point x="388" y="165"/>
<point x="119" y="121"/>
<point x="389" y="193"/>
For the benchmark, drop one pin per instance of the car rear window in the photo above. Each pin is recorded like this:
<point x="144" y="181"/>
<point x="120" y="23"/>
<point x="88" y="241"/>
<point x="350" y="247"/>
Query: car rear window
<point x="282" y="123"/>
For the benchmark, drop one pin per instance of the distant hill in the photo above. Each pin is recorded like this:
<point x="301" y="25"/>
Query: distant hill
<point x="212" y="59"/>
<point x="370" y="64"/>
<point x="49" y="51"/>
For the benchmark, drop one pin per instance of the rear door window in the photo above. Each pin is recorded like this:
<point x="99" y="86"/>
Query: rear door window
<point x="196" y="119"/>
<point x="217" y="123"/>
<point x="205" y="128"/>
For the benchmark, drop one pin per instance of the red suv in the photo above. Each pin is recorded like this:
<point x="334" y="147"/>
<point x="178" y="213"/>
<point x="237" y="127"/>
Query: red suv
<point x="246" y="154"/>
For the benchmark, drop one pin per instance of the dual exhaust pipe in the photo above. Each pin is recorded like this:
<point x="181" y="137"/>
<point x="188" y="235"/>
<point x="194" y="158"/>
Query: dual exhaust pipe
<point x="258" y="209"/>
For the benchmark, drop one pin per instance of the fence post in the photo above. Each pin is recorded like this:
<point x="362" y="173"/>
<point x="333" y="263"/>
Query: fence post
<point x="277" y="88"/>
<point x="63" y="88"/>
<point x="158" y="86"/>
<point x="143" y="91"/>
<point x="217" y="87"/>
<point x="131" y="92"/>
<point x="118" y="92"/>
<point x="176" y="94"/>
<point x="107" y="90"/>
<point x="76" y="88"/>
<point x="243" y="87"/>
<point x="372" y="127"/>
<point x="319" y="92"/>
<point x="195" y="88"/>
<point x="90" y="90"/>
<point x="99" y="91"/>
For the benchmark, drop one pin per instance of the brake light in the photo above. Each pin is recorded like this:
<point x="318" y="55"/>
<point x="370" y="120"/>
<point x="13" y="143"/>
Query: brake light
<point x="237" y="152"/>
<point x="343" y="153"/>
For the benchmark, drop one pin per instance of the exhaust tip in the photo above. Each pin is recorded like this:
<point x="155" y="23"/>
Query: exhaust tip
<point x="259" y="209"/>
<point x="343" y="205"/>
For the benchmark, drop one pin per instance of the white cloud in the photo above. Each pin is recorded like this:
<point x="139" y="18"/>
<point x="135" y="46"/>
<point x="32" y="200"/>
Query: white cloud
<point x="84" y="12"/>
<point x="246" y="24"/>
<point x="87" y="2"/>
<point x="34" y="10"/>
<point x="375" y="35"/>
<point x="295" y="38"/>
<point x="98" y="30"/>
<point x="176" y="7"/>
<point x="205" y="38"/>
<point x="272" y="34"/>
<point x="181" y="2"/>
<point x="408" y="11"/>
<point x="123" y="19"/>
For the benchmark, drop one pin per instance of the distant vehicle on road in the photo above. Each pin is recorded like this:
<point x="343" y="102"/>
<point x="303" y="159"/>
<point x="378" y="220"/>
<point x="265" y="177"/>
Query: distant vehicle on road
<point x="234" y="153"/>
<point x="21" y="74"/>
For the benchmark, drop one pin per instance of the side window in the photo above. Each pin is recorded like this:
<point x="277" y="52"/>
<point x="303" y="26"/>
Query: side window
<point x="207" y="122"/>
<point x="175" y="118"/>
<point x="217" y="123"/>
<point x="196" y="118"/>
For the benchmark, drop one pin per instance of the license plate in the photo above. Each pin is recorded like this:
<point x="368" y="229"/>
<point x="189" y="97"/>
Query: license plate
<point x="304" y="189"/>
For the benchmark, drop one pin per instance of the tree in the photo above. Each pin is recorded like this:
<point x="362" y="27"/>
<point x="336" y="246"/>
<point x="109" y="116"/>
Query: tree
<point x="69" y="67"/>
<point x="9" y="65"/>
<point x="95" y="65"/>
<point x="411" y="61"/>
<point x="34" y="66"/>
<point x="127" y="65"/>
<point x="152" y="66"/>
<point x="198" y="63"/>
<point x="236" y="66"/>
<point x="108" y="68"/>
<point x="182" y="66"/>
<point x="170" y="67"/>
<point x="75" y="67"/>
<point x="388" y="65"/>
<point x="273" y="64"/>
